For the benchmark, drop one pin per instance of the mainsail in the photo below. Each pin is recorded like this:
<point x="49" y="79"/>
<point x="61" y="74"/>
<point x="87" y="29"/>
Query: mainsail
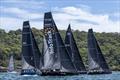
<point x="11" y="64"/>
<point x="58" y="55"/>
<point x="30" y="50"/>
<point x="95" y="56"/>
<point x="73" y="50"/>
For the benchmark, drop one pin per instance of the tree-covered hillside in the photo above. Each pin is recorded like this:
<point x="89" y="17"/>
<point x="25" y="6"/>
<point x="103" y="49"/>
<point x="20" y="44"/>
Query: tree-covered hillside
<point x="10" y="43"/>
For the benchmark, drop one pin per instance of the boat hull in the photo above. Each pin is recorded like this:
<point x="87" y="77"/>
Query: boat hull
<point x="58" y="73"/>
<point x="82" y="72"/>
<point x="28" y="72"/>
<point x="14" y="72"/>
<point x="98" y="72"/>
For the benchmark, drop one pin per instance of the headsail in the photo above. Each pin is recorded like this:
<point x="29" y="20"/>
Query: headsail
<point x="11" y="64"/>
<point x="95" y="56"/>
<point x="47" y="57"/>
<point x="36" y="53"/>
<point x="25" y="65"/>
<point x="59" y="58"/>
<point x="30" y="50"/>
<point x="73" y="50"/>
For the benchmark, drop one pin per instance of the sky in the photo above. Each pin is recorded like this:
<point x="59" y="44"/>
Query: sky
<point x="101" y="15"/>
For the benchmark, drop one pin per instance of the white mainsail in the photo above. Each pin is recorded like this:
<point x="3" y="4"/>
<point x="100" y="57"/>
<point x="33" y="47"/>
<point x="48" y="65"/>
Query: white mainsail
<point x="11" y="64"/>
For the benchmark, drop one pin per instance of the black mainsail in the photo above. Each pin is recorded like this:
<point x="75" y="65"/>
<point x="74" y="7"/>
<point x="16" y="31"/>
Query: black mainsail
<point x="59" y="59"/>
<point x="73" y="51"/>
<point x="96" y="60"/>
<point x="30" y="51"/>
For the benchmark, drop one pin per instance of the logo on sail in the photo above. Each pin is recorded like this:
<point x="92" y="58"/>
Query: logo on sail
<point x="50" y="42"/>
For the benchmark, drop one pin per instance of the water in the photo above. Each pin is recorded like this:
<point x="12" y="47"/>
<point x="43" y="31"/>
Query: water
<point x="12" y="76"/>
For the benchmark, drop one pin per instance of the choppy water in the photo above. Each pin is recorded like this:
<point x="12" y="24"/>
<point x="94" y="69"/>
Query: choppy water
<point x="10" y="76"/>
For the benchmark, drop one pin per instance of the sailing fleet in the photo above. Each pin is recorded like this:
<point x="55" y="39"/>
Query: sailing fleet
<point x="58" y="57"/>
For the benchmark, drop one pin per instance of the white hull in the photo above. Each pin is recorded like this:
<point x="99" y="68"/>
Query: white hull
<point x="14" y="72"/>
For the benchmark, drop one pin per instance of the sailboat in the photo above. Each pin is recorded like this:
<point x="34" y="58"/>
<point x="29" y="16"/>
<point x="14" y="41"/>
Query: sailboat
<point x="96" y="60"/>
<point x="31" y="62"/>
<point x="56" y="59"/>
<point x="74" y="52"/>
<point x="11" y="68"/>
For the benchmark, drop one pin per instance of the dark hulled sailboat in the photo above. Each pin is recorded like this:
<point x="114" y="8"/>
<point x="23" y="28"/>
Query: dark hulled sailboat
<point x="74" y="52"/>
<point x="96" y="60"/>
<point x="30" y="52"/>
<point x="57" y="61"/>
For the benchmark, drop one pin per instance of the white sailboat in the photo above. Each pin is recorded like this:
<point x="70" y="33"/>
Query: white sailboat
<point x="11" y="68"/>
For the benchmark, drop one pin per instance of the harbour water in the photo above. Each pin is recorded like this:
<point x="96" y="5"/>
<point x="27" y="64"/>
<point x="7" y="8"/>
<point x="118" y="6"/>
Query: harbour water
<point x="13" y="76"/>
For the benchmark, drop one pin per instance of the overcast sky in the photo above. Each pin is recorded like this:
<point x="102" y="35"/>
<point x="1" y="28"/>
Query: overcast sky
<point x="102" y="15"/>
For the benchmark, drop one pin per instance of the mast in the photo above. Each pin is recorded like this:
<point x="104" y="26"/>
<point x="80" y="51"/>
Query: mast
<point x="60" y="58"/>
<point x="73" y="50"/>
<point x="95" y="56"/>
